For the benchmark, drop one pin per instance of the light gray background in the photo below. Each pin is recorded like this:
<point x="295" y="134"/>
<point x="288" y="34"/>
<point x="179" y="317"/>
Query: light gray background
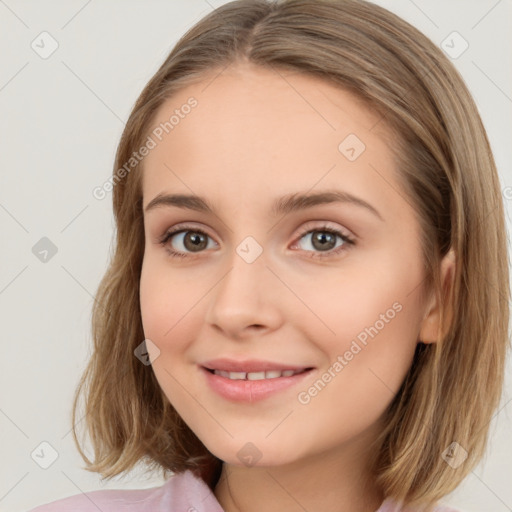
<point x="61" y="119"/>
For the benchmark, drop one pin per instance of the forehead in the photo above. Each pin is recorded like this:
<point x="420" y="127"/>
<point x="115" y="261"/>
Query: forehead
<point x="254" y="128"/>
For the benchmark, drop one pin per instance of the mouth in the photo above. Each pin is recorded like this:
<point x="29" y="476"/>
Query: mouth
<point x="250" y="387"/>
<point x="260" y="375"/>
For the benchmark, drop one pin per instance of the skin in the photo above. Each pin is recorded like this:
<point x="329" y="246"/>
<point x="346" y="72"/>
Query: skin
<point x="254" y="136"/>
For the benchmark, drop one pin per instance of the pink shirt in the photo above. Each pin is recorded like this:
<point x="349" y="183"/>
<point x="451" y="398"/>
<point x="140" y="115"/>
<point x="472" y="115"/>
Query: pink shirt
<point x="183" y="492"/>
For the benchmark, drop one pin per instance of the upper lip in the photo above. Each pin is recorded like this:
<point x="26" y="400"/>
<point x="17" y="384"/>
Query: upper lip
<point x="249" y="365"/>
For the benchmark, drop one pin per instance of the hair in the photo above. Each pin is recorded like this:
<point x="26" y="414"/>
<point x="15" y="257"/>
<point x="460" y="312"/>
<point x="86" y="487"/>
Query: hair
<point x="447" y="170"/>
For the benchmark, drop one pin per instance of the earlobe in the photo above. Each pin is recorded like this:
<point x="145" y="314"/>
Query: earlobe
<point x="431" y="330"/>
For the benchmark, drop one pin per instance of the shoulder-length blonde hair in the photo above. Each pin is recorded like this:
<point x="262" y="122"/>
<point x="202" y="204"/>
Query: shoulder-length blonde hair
<point x="447" y="168"/>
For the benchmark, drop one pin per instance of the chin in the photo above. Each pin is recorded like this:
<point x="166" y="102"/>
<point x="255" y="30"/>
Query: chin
<point x="254" y="454"/>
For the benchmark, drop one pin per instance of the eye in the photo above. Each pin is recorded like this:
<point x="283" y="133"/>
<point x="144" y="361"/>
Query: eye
<point x="193" y="240"/>
<point x="189" y="239"/>
<point x="323" y="239"/>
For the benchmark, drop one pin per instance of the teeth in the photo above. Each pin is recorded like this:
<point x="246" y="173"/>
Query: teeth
<point x="271" y="374"/>
<point x="256" y="376"/>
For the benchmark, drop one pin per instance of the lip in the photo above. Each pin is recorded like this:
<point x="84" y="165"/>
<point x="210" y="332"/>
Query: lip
<point x="251" y="390"/>
<point x="249" y="365"/>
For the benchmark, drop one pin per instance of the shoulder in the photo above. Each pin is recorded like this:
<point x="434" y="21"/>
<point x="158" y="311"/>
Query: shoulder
<point x="107" y="500"/>
<point x="183" y="492"/>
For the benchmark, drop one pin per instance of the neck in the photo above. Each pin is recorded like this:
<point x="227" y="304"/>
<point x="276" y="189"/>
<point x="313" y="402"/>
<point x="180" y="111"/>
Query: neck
<point x="337" y="479"/>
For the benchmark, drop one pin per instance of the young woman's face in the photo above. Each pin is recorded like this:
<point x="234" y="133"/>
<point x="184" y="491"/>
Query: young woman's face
<point x="326" y="282"/>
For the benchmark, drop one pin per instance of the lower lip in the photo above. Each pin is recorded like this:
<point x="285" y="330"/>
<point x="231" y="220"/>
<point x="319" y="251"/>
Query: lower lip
<point x="251" y="390"/>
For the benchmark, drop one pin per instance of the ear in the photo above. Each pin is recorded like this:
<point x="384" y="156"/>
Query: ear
<point x="430" y="330"/>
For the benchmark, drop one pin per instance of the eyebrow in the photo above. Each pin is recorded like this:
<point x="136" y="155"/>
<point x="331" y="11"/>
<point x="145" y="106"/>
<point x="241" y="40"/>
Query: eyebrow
<point x="283" y="205"/>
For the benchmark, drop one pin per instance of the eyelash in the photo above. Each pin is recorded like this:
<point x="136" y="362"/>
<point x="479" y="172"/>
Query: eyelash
<point x="348" y="241"/>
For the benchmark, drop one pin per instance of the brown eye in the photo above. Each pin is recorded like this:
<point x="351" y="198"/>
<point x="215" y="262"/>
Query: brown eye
<point x="324" y="240"/>
<point x="194" y="241"/>
<point x="185" y="241"/>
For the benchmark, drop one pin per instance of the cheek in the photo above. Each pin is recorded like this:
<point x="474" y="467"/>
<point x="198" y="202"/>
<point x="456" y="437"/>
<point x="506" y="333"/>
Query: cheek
<point x="164" y="307"/>
<point x="172" y="303"/>
<point x="167" y="319"/>
<point x="366" y="360"/>
<point x="370" y="314"/>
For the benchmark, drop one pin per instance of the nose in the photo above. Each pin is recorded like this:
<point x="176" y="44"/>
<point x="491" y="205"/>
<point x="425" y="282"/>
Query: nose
<point x="244" y="301"/>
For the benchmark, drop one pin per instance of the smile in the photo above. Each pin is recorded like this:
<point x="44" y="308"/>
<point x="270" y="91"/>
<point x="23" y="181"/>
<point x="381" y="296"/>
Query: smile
<point x="253" y="386"/>
<point x="272" y="374"/>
